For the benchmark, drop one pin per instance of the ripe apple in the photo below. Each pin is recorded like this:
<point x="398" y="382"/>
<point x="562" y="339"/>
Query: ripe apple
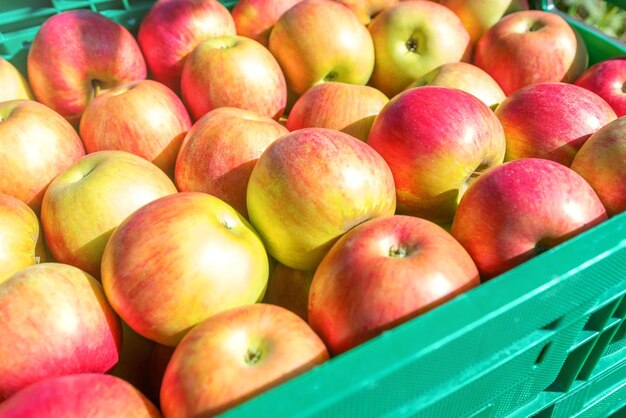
<point x="382" y="273"/>
<point x="78" y="396"/>
<point x="220" y="151"/>
<point x="551" y="121"/>
<point x="289" y="288"/>
<point x="413" y="38"/>
<point x="311" y="186"/>
<point x="171" y="30"/>
<point x="142" y="117"/>
<point x="54" y="321"/>
<point x="436" y="140"/>
<point x="13" y="85"/>
<point x="256" y="18"/>
<point x="85" y="203"/>
<point x="608" y="80"/>
<point x="367" y="9"/>
<point x="37" y="144"/>
<point x="321" y="40"/>
<point x="349" y="108"/>
<point x="531" y="46"/>
<point x="242" y="352"/>
<point x="77" y="54"/>
<point x="520" y="209"/>
<point x="19" y="235"/>
<point x="233" y="71"/>
<point x="179" y="260"/>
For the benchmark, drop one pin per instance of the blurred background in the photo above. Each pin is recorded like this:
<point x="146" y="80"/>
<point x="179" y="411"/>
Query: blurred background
<point x="606" y="17"/>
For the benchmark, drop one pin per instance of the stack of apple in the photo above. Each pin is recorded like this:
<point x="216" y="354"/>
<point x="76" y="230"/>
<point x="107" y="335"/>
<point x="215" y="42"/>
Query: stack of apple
<point x="351" y="164"/>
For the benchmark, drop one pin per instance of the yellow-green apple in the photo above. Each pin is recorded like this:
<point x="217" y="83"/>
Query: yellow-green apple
<point x="142" y="117"/>
<point x="233" y="71"/>
<point x="312" y="185"/>
<point x="234" y="356"/>
<point x="171" y="30"/>
<point x="531" y="46"/>
<point x="37" y="144"/>
<point x="608" y="80"/>
<point x="13" y="85"/>
<point x="382" y="273"/>
<point x="54" y="321"/>
<point x="600" y="162"/>
<point x="551" y="121"/>
<point x="77" y="54"/>
<point x="19" y="235"/>
<point x="179" y="260"/>
<point x="466" y="77"/>
<point x="289" y="288"/>
<point x="344" y="107"/>
<point x="220" y="151"/>
<point x="436" y="140"/>
<point x="520" y="209"/>
<point x="256" y="18"/>
<point x="367" y="9"/>
<point x="321" y="40"/>
<point x="86" y="202"/>
<point x="413" y="38"/>
<point x="134" y="363"/>
<point x="90" y="395"/>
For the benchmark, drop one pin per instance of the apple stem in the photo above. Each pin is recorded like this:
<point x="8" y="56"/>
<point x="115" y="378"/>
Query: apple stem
<point x="397" y="252"/>
<point x="252" y="356"/>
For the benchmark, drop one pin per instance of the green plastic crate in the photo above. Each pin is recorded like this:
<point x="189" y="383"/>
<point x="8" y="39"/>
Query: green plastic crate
<point x="546" y="339"/>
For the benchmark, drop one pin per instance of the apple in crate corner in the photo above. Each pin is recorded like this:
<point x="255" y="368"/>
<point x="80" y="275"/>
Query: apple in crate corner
<point x="19" y="233"/>
<point x="256" y="18"/>
<point x="242" y="352"/>
<point x="608" y="80"/>
<point x="77" y="54"/>
<point x="13" y="85"/>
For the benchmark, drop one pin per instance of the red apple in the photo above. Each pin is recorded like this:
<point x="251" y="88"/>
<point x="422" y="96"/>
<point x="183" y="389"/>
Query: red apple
<point x="13" y="85"/>
<point x="142" y="117"/>
<point x="235" y="355"/>
<point x="366" y="10"/>
<point x="77" y="54"/>
<point x="19" y="235"/>
<point x="551" y="121"/>
<point x="171" y="30"/>
<point x="608" y="80"/>
<point x="520" y="209"/>
<point x="54" y="321"/>
<point x="220" y="151"/>
<point x="233" y="71"/>
<point x="289" y="288"/>
<point x="256" y="18"/>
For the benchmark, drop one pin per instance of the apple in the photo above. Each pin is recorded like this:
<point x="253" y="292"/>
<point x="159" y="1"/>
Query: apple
<point x="142" y="117"/>
<point x="413" y="38"/>
<point x="367" y="9"/>
<point x="54" y="321"/>
<point x="349" y="108"/>
<point x="77" y="396"/>
<point x="381" y="273"/>
<point x="173" y="28"/>
<point x="256" y="18"/>
<point x="179" y="260"/>
<point x="321" y="40"/>
<point x="289" y="288"/>
<point x="37" y="145"/>
<point x="531" y="46"/>
<point x="312" y="185"/>
<point x="520" y="209"/>
<point x="235" y="355"/>
<point x="233" y="71"/>
<point x="19" y="235"/>
<point x="76" y="55"/>
<point x="13" y="85"/>
<point x="86" y="202"/>
<point x="220" y="151"/>
<point x="551" y="121"/>
<point x="607" y="79"/>
<point x="436" y="140"/>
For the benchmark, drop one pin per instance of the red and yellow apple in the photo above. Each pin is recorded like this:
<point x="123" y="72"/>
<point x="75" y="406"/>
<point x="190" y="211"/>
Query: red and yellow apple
<point x="13" y="85"/>
<point x="19" y="235"/>
<point x="608" y="80"/>
<point x="256" y="18"/>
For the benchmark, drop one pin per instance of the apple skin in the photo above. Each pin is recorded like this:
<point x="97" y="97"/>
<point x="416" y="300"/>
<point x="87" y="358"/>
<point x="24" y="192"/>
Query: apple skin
<point x="607" y="79"/>
<point x="321" y="40"/>
<point x="218" y="154"/>
<point x="311" y="186"/>
<point x="256" y="18"/>
<point x="413" y="38"/>
<point x="171" y="30"/>
<point x="367" y="9"/>
<point x="520" y="209"/>
<point x="234" y="356"/>
<point x="436" y="141"/>
<point x="13" y="85"/>
<point x="78" y="53"/>
<point x="531" y="46"/>
<point x="66" y="308"/>
<point x="143" y="117"/>
<point x="37" y="145"/>
<point x="77" y="396"/>
<point x="349" y="108"/>
<point x="19" y="236"/>
<point x="233" y="71"/>
<point x="551" y="121"/>
<point x="289" y="288"/>
<point x="85" y="203"/>
<point x="382" y="273"/>
<point x="191" y="256"/>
